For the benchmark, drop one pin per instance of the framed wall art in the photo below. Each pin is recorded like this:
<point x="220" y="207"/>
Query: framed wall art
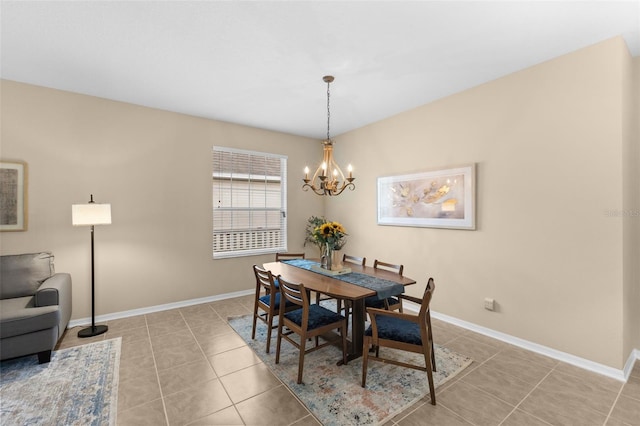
<point x="13" y="196"/>
<point x="434" y="199"/>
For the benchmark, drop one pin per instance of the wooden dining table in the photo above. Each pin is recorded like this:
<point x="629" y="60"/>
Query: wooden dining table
<point x="334" y="287"/>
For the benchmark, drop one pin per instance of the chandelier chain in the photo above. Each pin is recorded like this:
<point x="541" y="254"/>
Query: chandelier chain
<point x="328" y="110"/>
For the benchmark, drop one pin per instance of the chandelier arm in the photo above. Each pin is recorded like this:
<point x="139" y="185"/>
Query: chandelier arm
<point x="349" y="185"/>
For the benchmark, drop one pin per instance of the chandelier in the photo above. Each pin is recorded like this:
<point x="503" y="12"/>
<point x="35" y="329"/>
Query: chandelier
<point x="328" y="178"/>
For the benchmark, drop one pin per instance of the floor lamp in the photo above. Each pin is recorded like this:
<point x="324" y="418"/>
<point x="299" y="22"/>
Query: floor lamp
<point x="91" y="214"/>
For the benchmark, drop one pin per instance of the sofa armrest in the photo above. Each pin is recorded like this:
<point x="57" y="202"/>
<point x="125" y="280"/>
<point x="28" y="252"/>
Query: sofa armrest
<point x="52" y="290"/>
<point x="56" y="290"/>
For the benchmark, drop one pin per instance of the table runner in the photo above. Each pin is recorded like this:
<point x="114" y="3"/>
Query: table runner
<point x="384" y="288"/>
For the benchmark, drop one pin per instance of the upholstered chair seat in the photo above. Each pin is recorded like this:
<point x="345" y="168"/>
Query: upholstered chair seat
<point x="374" y="302"/>
<point x="318" y="317"/>
<point x="397" y="329"/>
<point x="276" y="304"/>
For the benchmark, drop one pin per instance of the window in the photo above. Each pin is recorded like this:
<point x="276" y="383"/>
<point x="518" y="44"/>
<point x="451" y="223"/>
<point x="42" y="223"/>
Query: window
<point x="249" y="203"/>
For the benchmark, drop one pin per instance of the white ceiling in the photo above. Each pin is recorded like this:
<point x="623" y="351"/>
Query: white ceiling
<point x="261" y="63"/>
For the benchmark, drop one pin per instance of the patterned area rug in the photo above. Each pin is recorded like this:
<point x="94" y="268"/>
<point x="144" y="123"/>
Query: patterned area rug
<point x="334" y="394"/>
<point x="78" y="387"/>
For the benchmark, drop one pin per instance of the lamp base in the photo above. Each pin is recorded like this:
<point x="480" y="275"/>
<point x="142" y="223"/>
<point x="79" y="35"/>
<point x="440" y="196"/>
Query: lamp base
<point x="93" y="331"/>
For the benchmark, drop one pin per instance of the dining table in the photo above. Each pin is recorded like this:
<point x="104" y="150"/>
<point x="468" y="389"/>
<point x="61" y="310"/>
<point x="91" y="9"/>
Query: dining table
<point x="355" y="286"/>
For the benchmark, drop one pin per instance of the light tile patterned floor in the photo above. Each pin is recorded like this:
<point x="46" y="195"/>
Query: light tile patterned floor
<point x="188" y="367"/>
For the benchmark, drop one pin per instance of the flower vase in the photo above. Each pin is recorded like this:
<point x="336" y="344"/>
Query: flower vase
<point x="327" y="258"/>
<point x="336" y="261"/>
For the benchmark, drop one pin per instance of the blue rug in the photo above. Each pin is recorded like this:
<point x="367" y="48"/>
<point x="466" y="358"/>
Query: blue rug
<point x="78" y="387"/>
<point x="334" y="394"/>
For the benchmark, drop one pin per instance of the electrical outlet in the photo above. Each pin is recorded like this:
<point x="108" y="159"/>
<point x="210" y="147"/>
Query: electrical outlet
<point x="489" y="304"/>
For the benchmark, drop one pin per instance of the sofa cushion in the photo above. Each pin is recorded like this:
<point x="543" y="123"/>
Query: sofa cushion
<point x="22" y="274"/>
<point x="19" y="316"/>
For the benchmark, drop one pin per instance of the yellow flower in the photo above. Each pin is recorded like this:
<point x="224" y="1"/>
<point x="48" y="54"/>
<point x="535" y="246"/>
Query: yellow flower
<point x="330" y="233"/>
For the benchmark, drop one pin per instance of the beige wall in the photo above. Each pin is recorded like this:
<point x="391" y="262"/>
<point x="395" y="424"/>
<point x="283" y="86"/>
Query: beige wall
<point x="631" y="222"/>
<point x="549" y="146"/>
<point x="154" y="167"/>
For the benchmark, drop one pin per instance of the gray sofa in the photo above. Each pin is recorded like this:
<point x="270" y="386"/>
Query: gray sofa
<point x="35" y="305"/>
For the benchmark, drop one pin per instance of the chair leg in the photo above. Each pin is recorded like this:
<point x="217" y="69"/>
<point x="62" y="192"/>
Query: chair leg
<point x="255" y="320"/>
<point x="427" y="360"/>
<point x="301" y="359"/>
<point x="365" y="358"/>
<point x="433" y="357"/>
<point x="430" y="335"/>
<point x="269" y="328"/>
<point x="432" y="388"/>
<point x="278" y="341"/>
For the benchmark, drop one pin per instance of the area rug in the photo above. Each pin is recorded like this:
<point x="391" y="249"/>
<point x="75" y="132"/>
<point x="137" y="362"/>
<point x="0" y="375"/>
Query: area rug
<point x="79" y="386"/>
<point x="334" y="393"/>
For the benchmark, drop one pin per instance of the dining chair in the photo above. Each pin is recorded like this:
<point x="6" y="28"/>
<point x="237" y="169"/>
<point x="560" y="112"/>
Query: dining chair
<point x="346" y="258"/>
<point x="289" y="256"/>
<point x="267" y="300"/>
<point x="308" y="321"/>
<point x="390" y="303"/>
<point x="406" y="332"/>
<point x="354" y="259"/>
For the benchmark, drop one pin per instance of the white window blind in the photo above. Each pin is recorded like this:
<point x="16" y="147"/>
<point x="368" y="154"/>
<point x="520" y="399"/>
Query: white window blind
<point x="249" y="202"/>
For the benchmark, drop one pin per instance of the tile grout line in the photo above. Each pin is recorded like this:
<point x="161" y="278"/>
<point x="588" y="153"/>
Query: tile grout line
<point x="155" y="366"/>
<point x="517" y="406"/>
<point x="614" y="404"/>
<point x="211" y="365"/>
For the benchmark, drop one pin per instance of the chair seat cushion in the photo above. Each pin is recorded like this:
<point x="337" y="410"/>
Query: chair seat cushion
<point x="318" y="317"/>
<point x="397" y="329"/>
<point x="19" y="316"/>
<point x="374" y="302"/>
<point x="267" y="300"/>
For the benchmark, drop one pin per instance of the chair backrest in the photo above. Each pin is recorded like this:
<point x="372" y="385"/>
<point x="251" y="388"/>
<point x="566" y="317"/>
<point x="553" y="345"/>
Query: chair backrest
<point x="264" y="279"/>
<point x="388" y="266"/>
<point x="294" y="293"/>
<point x="287" y="256"/>
<point x="426" y="298"/>
<point x="354" y="259"/>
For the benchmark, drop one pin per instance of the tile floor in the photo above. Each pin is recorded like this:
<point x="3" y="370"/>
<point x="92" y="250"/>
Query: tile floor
<point x="188" y="367"/>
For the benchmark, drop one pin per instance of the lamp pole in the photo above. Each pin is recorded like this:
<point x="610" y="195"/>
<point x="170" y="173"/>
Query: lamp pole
<point x="94" y="217"/>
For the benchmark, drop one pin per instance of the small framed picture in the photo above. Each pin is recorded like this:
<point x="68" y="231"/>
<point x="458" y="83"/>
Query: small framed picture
<point x="436" y="199"/>
<point x="13" y="196"/>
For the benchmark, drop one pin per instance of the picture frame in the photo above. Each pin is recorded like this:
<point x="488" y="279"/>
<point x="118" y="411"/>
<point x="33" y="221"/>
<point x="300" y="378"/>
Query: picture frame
<point x="13" y="196"/>
<point x="442" y="198"/>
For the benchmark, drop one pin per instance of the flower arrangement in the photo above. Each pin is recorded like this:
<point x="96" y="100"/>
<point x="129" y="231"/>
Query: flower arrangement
<point x="331" y="234"/>
<point x="312" y="223"/>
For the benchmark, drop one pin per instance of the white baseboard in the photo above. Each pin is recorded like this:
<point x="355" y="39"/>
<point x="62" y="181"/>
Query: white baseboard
<point x="605" y="370"/>
<point x="157" y="308"/>
<point x="586" y="364"/>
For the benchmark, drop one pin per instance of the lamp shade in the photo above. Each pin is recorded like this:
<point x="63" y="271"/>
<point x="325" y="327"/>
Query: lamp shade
<point x="90" y="214"/>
